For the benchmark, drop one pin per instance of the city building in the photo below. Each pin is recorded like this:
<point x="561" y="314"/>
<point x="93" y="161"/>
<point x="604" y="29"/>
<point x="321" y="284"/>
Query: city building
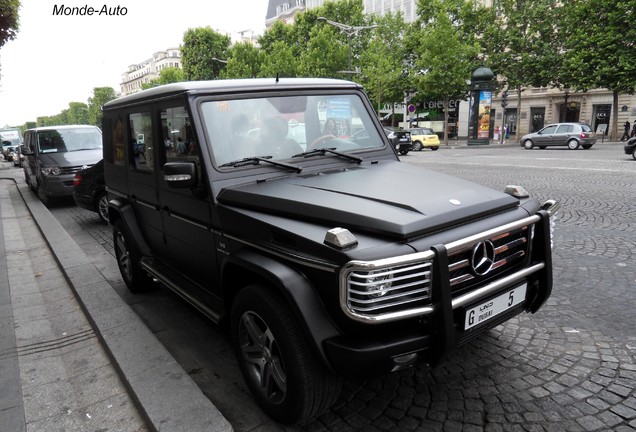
<point x="283" y="10"/>
<point x="146" y="71"/>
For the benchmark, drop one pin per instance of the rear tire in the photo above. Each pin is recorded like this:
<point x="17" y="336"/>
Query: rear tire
<point x="573" y="144"/>
<point x="281" y="371"/>
<point x="128" y="260"/>
<point x="634" y="153"/>
<point x="101" y="204"/>
<point x="587" y="146"/>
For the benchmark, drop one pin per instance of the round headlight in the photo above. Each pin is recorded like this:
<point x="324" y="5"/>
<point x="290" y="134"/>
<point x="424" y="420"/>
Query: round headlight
<point x="379" y="283"/>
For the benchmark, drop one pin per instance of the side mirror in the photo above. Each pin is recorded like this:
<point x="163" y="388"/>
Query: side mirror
<point x="180" y="175"/>
<point x="25" y="150"/>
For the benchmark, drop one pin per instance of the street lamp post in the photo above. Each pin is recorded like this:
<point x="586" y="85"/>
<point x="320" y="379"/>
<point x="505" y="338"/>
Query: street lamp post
<point x="350" y="31"/>
<point x="566" y="93"/>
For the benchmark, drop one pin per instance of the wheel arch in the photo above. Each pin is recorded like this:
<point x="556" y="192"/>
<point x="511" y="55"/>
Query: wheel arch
<point x="119" y="209"/>
<point x="250" y="267"/>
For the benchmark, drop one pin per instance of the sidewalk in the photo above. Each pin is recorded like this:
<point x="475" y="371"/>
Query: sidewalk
<point x="73" y="355"/>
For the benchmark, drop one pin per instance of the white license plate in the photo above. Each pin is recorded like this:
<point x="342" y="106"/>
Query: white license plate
<point x="494" y="307"/>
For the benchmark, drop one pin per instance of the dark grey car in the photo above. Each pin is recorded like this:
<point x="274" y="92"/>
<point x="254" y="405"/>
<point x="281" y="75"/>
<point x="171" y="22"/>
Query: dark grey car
<point x="52" y="156"/>
<point x="573" y="135"/>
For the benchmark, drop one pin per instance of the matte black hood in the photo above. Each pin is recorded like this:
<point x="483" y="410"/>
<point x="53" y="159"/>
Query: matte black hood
<point x="391" y="198"/>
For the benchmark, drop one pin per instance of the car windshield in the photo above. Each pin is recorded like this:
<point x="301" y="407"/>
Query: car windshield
<point x="280" y="127"/>
<point x="68" y="140"/>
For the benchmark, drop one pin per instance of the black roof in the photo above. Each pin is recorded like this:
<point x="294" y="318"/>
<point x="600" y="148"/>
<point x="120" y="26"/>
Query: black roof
<point x="231" y="86"/>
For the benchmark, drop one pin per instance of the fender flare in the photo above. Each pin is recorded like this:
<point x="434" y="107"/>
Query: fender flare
<point x="119" y="208"/>
<point x="296" y="291"/>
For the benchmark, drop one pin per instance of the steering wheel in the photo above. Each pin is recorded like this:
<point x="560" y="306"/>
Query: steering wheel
<point x="321" y="139"/>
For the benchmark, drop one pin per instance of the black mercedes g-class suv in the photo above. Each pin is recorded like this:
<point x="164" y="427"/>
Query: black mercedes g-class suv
<point x="308" y="244"/>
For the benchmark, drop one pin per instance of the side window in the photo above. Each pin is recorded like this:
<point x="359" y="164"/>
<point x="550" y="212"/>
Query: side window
<point x="140" y="141"/>
<point x="177" y="135"/>
<point x="565" y="129"/>
<point x="118" y="141"/>
<point x="179" y="141"/>
<point x="549" y="130"/>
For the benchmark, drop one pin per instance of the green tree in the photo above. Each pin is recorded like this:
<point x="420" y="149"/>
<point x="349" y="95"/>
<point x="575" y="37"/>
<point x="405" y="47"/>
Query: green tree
<point x="445" y="47"/>
<point x="166" y="76"/>
<point x="383" y="62"/>
<point x="77" y="113"/>
<point x="524" y="45"/>
<point x="600" y="48"/>
<point x="101" y="95"/>
<point x="201" y="51"/>
<point x="9" y="20"/>
<point x="280" y="61"/>
<point x="244" y="60"/>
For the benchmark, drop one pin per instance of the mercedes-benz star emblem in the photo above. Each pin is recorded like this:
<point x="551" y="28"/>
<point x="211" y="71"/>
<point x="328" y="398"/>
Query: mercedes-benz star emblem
<point x="483" y="257"/>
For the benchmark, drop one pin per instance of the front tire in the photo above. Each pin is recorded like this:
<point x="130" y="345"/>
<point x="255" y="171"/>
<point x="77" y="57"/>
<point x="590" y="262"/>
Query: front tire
<point x="528" y="144"/>
<point x="128" y="260"/>
<point x="634" y="153"/>
<point x="282" y="373"/>
<point x="44" y="198"/>
<point x="573" y="144"/>
<point x="404" y="152"/>
<point x="417" y="146"/>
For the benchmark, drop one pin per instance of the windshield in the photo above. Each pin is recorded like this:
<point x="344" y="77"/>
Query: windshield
<point x="280" y="127"/>
<point x="68" y="140"/>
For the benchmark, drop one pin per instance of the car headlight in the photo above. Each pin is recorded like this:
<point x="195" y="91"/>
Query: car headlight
<point x="51" y="171"/>
<point x="379" y="282"/>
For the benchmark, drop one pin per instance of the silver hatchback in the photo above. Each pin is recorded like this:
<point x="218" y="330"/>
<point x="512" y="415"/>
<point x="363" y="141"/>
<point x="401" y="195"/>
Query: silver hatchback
<point x="573" y="135"/>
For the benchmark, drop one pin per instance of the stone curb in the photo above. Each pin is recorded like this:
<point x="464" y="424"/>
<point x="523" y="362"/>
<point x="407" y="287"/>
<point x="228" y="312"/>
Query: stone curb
<point x="165" y="394"/>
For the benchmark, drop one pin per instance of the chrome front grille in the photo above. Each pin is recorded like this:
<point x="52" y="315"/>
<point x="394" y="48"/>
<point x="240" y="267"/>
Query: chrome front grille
<point x="400" y="287"/>
<point x="511" y="248"/>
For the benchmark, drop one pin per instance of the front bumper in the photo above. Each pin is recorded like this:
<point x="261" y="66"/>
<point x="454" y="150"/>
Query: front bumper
<point x="58" y="186"/>
<point x="427" y="333"/>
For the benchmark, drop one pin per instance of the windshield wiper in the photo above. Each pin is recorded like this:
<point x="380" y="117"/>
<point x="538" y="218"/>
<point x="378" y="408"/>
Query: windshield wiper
<point x="325" y="150"/>
<point x="255" y="160"/>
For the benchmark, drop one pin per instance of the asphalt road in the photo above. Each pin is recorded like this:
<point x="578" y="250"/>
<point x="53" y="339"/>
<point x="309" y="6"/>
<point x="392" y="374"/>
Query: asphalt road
<point x="570" y="367"/>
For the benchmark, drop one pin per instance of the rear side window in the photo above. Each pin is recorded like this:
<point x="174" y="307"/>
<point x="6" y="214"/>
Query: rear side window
<point x="140" y="141"/>
<point x="565" y="129"/>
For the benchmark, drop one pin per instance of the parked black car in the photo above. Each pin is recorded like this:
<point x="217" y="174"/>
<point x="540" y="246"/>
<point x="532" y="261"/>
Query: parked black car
<point x="630" y="147"/>
<point x="400" y="139"/>
<point x="323" y="262"/>
<point x="89" y="190"/>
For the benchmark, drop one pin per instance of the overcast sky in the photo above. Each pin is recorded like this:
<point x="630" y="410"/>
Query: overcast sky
<point x="60" y="59"/>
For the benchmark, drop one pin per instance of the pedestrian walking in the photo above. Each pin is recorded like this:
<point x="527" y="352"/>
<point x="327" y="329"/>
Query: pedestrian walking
<point x="626" y="130"/>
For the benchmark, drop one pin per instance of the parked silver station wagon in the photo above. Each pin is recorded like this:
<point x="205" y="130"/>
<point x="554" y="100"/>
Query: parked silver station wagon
<point x="308" y="246"/>
<point x="573" y="135"/>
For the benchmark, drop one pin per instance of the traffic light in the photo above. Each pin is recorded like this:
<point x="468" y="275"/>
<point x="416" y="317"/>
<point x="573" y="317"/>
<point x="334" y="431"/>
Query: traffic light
<point x="504" y="99"/>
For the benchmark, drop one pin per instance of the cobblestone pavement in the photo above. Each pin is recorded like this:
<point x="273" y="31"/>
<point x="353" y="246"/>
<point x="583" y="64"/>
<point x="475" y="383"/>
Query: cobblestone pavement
<point x="570" y="367"/>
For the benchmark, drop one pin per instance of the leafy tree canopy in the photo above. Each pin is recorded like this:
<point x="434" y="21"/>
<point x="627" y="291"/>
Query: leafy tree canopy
<point x="201" y="51"/>
<point x="9" y="20"/>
